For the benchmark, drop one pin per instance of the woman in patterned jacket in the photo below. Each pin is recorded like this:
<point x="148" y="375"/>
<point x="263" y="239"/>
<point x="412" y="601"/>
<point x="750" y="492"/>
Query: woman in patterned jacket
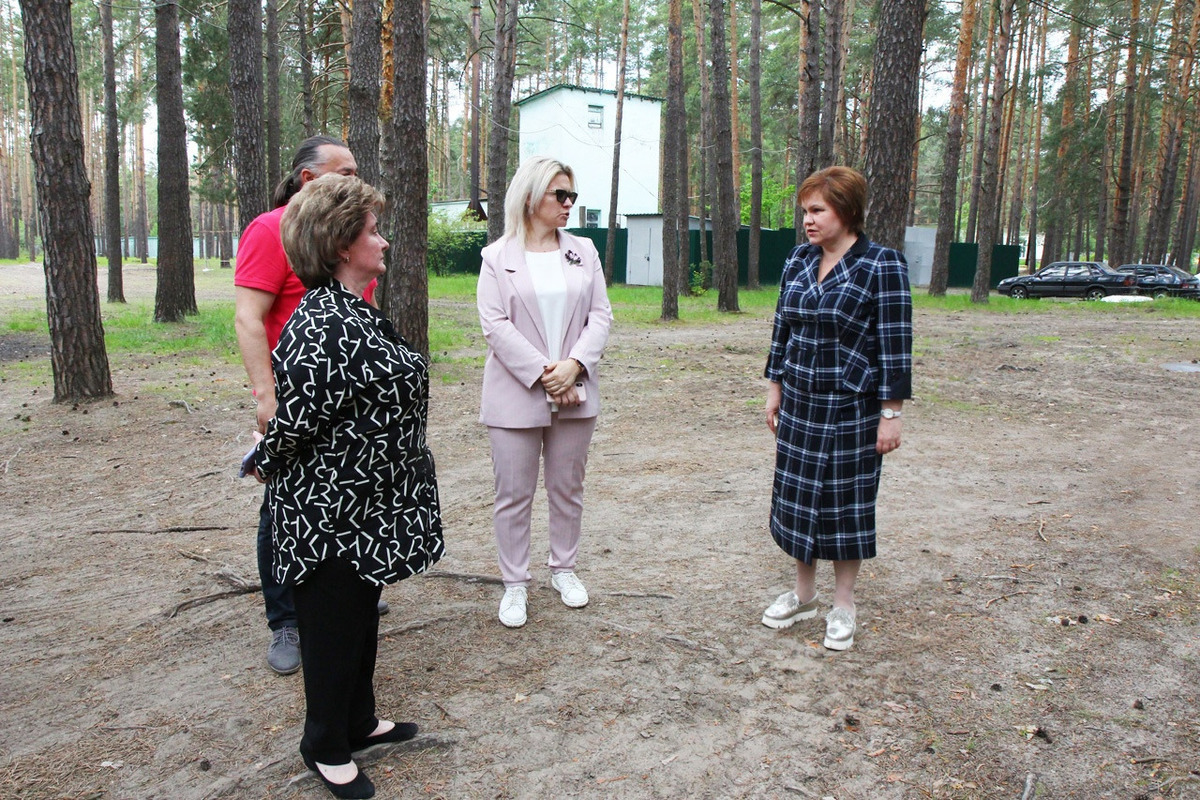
<point x="840" y="367"/>
<point x="351" y="482"/>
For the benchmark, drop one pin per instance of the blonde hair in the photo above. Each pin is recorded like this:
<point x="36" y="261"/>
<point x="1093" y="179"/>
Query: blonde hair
<point x="525" y="192"/>
<point x="322" y="220"/>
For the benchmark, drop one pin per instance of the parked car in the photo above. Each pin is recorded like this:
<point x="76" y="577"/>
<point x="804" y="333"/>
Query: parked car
<point x="1088" y="279"/>
<point x="1159" y="280"/>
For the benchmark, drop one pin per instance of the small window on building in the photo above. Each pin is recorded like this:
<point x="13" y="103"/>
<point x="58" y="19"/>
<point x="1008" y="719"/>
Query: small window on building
<point x="593" y="218"/>
<point x="595" y="116"/>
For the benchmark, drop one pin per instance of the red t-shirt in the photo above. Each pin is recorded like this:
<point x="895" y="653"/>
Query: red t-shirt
<point x="261" y="264"/>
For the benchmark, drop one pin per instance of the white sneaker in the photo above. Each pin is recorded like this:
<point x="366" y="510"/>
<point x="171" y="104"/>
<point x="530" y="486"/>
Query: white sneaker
<point x="571" y="589"/>
<point x="512" y="606"/>
<point x="839" y="629"/>
<point x="788" y="610"/>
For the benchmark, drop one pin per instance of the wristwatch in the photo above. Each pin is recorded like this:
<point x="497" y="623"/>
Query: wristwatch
<point x="888" y="413"/>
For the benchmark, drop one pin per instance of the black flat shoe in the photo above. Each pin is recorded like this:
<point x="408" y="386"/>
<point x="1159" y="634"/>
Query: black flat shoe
<point x="402" y="732"/>
<point x="360" y="788"/>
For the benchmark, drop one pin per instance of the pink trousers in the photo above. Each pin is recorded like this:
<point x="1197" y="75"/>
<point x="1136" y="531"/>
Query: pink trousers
<point x="563" y="446"/>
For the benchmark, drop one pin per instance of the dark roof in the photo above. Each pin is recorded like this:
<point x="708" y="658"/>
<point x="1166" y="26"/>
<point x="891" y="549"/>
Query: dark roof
<point x="587" y="89"/>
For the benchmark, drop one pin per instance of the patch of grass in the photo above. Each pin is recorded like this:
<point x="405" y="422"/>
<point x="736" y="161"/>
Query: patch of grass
<point x="642" y="305"/>
<point x="26" y="322"/>
<point x="130" y="330"/>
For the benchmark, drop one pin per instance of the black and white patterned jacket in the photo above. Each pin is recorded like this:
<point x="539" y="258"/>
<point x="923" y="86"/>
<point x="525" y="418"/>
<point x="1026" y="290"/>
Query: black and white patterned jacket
<point x="348" y="470"/>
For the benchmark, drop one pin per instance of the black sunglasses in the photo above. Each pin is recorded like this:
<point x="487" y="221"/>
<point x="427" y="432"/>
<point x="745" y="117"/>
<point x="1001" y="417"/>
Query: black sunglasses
<point x="562" y="196"/>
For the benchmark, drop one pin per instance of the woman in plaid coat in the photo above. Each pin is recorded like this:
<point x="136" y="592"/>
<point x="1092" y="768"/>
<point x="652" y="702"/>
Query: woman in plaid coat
<point x="840" y="367"/>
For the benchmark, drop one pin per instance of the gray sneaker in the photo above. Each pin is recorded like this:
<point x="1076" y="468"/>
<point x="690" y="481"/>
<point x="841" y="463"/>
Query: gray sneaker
<point x="283" y="655"/>
<point x="787" y="610"/>
<point x="839" y="629"/>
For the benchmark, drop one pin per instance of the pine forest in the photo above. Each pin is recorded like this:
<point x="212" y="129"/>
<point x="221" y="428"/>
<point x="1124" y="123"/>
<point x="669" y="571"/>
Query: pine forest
<point x="1066" y="127"/>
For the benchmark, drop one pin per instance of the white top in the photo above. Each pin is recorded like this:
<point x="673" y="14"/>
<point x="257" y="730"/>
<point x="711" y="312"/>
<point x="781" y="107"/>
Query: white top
<point x="550" y="285"/>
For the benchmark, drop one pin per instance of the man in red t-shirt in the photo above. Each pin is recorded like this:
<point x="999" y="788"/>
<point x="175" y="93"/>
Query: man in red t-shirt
<point x="266" y="294"/>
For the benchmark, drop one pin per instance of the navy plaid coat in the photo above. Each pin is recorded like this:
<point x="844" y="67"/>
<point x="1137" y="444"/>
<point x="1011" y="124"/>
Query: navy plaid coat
<point x="838" y="348"/>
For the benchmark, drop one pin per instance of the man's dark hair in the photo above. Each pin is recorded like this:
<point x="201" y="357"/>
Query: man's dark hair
<point x="308" y="156"/>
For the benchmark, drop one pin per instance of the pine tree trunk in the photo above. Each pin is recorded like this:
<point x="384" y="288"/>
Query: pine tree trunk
<point x="610" y="243"/>
<point x="705" y="131"/>
<point x="475" y="204"/>
<point x="366" y="63"/>
<point x="112" y="159"/>
<point x="725" y="224"/>
<point x="756" y="154"/>
<point x="989" y="188"/>
<point x="498" y="135"/>
<point x="940" y="271"/>
<point x="674" y="135"/>
<point x="891" y="133"/>
<point x="406" y="178"/>
<point x="1122" y="244"/>
<point x="304" y="27"/>
<point x="809" y="129"/>
<point x="835" y="61"/>
<point x="77" y="356"/>
<point x="175" y="295"/>
<point x="734" y="121"/>
<point x="273" y="134"/>
<point x="246" y="94"/>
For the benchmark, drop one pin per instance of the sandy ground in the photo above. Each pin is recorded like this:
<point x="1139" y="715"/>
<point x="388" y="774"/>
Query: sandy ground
<point x="1029" y="628"/>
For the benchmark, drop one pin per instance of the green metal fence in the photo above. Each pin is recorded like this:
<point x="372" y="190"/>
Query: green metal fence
<point x="461" y="254"/>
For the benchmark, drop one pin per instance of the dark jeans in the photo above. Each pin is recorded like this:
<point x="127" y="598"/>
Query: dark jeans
<point x="281" y="611"/>
<point x="339" y="636"/>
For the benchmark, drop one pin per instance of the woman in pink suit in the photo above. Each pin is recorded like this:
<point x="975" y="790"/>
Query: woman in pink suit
<point x="545" y="316"/>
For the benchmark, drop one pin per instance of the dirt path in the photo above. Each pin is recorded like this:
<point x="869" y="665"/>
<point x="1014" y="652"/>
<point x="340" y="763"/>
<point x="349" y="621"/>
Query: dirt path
<point x="1031" y="619"/>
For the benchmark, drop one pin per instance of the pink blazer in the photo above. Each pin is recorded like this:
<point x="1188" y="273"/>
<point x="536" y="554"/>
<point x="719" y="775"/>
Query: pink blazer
<point x="513" y="396"/>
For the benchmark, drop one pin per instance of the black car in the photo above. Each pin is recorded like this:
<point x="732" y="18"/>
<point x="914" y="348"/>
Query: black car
<point x="1159" y="280"/>
<point x="1089" y="279"/>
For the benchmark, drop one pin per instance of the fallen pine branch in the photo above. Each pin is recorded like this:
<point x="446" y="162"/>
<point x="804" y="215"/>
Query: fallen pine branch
<point x="208" y="598"/>
<point x="170" y="529"/>
<point x="988" y="604"/>
<point x="468" y="577"/>
<point x="415" y="625"/>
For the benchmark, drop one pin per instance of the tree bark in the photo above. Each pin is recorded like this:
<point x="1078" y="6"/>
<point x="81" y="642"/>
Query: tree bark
<point x="809" y="128"/>
<point x="366" y="62"/>
<point x="475" y="205"/>
<point x="756" y="154"/>
<point x="77" y="356"/>
<point x="835" y="65"/>
<point x="175" y="294"/>
<point x="989" y="190"/>
<point x="674" y="136"/>
<point x="246" y="94"/>
<point x="112" y="159"/>
<point x="504" y="61"/>
<point x="725" y="222"/>
<point x="274" y="173"/>
<point x="406" y="178"/>
<point x="304" y="26"/>
<point x="940" y="271"/>
<point x="610" y="243"/>
<point x="1122" y="248"/>
<point x="891" y="131"/>
<point x="705" y="130"/>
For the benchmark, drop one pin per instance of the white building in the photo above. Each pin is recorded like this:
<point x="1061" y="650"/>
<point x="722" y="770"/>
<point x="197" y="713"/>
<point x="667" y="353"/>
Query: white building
<point x="576" y="125"/>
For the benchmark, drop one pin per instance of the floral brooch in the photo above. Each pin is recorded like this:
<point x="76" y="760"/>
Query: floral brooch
<point x="573" y="258"/>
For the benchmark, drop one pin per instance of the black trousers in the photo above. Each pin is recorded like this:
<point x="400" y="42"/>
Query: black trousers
<point x="338" y="617"/>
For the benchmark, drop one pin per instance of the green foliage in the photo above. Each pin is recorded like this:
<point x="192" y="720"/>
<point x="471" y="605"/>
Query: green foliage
<point x="448" y="247"/>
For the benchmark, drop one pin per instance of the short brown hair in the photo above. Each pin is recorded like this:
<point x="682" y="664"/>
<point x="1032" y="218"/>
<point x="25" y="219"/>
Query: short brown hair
<point x="844" y="189"/>
<point x="322" y="220"/>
